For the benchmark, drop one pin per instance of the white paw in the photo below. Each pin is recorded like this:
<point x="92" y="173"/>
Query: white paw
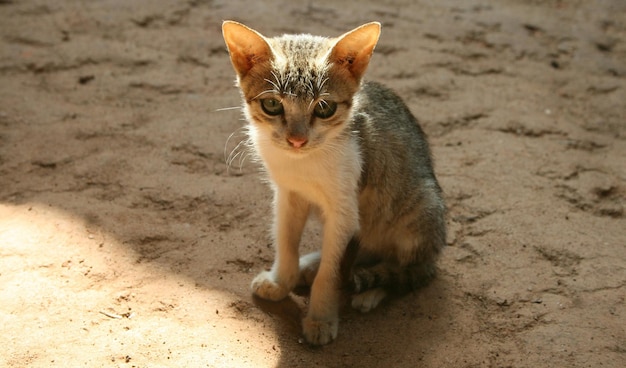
<point x="320" y="332"/>
<point x="368" y="300"/>
<point x="264" y="286"/>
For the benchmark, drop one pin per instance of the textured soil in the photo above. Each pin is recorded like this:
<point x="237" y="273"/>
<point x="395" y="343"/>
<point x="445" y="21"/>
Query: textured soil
<point x="127" y="241"/>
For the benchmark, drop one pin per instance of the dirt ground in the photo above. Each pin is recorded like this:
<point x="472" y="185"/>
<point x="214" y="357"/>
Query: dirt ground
<point x="126" y="241"/>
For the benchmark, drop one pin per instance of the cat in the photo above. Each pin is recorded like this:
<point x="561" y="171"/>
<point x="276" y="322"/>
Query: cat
<point x="348" y="150"/>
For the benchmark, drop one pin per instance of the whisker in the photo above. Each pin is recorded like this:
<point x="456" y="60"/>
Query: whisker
<point x="226" y="146"/>
<point x="228" y="141"/>
<point x="242" y="159"/>
<point x="321" y="82"/>
<point x="232" y="157"/>
<point x="264" y="92"/>
<point x="241" y="154"/>
<point x="242" y="150"/>
<point x="278" y="84"/>
<point x="229" y="108"/>
<point x="311" y="88"/>
<point x="276" y="87"/>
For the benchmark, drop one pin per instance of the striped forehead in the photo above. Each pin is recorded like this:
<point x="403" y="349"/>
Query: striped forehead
<point x="300" y="65"/>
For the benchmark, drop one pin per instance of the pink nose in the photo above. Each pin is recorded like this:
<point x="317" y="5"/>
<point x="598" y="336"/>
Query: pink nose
<point x="297" y="142"/>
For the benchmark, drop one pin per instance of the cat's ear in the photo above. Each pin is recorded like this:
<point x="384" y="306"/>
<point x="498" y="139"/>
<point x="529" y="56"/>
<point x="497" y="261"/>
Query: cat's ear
<point x="246" y="47"/>
<point x="354" y="49"/>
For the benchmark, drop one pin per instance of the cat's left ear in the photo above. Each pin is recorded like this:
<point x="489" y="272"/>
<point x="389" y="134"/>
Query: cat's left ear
<point x="354" y="49"/>
<point x="246" y="47"/>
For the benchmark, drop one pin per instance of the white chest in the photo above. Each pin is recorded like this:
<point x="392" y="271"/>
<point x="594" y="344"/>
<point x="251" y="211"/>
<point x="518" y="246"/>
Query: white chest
<point x="323" y="177"/>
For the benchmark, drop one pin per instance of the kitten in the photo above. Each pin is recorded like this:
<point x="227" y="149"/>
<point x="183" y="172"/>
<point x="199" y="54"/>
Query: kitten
<point x="349" y="151"/>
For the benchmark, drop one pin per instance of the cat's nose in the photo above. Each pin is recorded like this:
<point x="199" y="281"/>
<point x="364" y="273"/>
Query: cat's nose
<point x="297" y="142"/>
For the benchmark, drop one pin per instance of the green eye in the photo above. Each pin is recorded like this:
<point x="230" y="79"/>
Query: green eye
<point x="325" y="109"/>
<point x="272" y="106"/>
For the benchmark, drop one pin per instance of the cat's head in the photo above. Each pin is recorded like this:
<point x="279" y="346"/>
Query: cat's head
<point x="299" y="89"/>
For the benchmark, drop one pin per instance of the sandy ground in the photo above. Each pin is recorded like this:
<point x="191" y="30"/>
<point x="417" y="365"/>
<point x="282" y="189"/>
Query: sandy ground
<point x="126" y="241"/>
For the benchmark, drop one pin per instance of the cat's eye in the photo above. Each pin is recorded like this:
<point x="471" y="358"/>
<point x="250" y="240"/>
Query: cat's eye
<point x="272" y="106"/>
<point x="325" y="109"/>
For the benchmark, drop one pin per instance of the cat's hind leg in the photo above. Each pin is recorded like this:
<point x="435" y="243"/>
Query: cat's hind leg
<point x="369" y="299"/>
<point x="372" y="284"/>
<point x="309" y="264"/>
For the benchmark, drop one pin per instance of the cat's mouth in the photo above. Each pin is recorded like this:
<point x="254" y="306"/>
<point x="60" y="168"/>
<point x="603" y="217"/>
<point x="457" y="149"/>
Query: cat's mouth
<point x="298" y="150"/>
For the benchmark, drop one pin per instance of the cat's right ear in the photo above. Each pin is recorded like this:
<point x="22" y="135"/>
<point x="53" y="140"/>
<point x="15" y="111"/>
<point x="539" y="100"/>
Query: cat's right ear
<point x="246" y="47"/>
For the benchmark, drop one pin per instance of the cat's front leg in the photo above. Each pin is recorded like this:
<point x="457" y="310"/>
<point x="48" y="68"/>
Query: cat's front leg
<point x="321" y="322"/>
<point x="290" y="214"/>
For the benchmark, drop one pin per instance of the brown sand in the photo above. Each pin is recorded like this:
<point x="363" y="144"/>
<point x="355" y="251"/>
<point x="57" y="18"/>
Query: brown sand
<point x="126" y="241"/>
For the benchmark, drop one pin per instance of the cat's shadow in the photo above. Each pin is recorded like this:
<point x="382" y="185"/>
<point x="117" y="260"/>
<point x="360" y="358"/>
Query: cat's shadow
<point x="288" y="312"/>
<point x="400" y="328"/>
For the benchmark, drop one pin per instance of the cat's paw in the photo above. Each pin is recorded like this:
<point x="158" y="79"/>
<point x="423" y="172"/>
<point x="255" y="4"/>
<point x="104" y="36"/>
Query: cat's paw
<point x="368" y="300"/>
<point x="265" y="286"/>
<point x="320" y="332"/>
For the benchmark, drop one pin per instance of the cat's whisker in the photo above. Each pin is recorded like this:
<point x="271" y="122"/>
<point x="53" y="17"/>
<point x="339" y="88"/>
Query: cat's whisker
<point x="321" y="81"/>
<point x="229" y="160"/>
<point x="241" y="148"/>
<point x="278" y="84"/>
<point x="232" y="157"/>
<point x="242" y="159"/>
<point x="228" y="141"/>
<point x="264" y="92"/>
<point x="226" y="147"/>
<point x="276" y="87"/>
<point x="229" y="108"/>
<point x="241" y="154"/>
<point x="240" y="144"/>
<point x="311" y="89"/>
